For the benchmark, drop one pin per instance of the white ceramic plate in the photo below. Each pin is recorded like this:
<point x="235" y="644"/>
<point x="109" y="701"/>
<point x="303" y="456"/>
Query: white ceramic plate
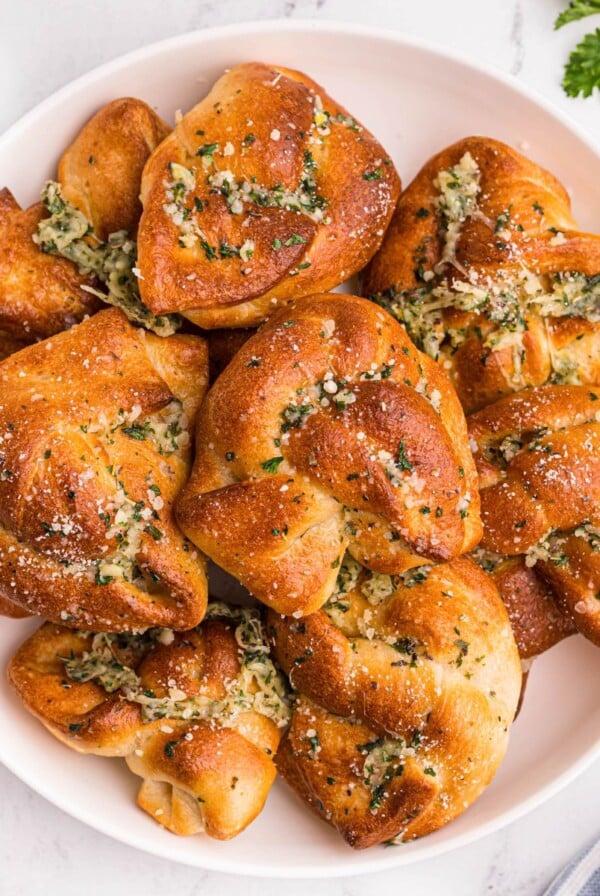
<point x="416" y="99"/>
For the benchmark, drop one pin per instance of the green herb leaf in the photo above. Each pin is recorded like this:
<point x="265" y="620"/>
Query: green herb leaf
<point x="577" y="9"/>
<point x="402" y="460"/>
<point x="134" y="432"/>
<point x="582" y="72"/>
<point x="377" y="174"/>
<point x="156" y="534"/>
<point x="207" y="150"/>
<point x="294" y="240"/>
<point x="272" y="465"/>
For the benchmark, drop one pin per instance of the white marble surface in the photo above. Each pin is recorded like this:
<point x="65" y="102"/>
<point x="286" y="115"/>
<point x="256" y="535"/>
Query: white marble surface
<point x="43" y="46"/>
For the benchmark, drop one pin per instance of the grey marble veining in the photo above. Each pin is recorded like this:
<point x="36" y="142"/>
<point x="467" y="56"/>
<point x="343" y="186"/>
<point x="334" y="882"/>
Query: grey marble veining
<point x="516" y="39"/>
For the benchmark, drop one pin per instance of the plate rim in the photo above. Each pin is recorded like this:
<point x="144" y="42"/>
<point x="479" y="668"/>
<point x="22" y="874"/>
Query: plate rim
<point x="323" y="871"/>
<point x="375" y="862"/>
<point x="389" y="35"/>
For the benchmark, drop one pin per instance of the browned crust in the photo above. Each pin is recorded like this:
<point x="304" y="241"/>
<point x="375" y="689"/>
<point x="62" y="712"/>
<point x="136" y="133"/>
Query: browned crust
<point x="60" y="401"/>
<point x="101" y="171"/>
<point x="553" y="484"/>
<point x="537" y="621"/>
<point x="262" y="101"/>
<point x="345" y="803"/>
<point x="195" y="775"/>
<point x="40" y="294"/>
<point x="282" y="533"/>
<point x="449" y="686"/>
<point x="509" y="182"/>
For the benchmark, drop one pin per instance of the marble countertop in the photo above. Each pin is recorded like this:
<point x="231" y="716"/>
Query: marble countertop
<point x="43" y="46"/>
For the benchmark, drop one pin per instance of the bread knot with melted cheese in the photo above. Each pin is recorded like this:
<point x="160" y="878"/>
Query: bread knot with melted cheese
<point x="40" y="294"/>
<point x="329" y="430"/>
<point x="94" y="446"/>
<point x="265" y="191"/>
<point x="407" y="687"/>
<point x="486" y="268"/>
<point x="197" y="715"/>
<point x="538" y="458"/>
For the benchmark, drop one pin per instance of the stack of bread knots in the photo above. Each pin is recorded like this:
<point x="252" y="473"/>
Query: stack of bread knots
<point x="486" y="267"/>
<point x="96" y="437"/>
<point x="238" y="216"/>
<point x="406" y="559"/>
<point x="330" y="445"/>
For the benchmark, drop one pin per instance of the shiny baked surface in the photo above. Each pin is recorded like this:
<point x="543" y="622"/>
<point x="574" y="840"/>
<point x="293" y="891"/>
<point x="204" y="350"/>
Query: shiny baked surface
<point x="101" y="172"/>
<point x="265" y="191"/>
<point x="329" y="430"/>
<point x="408" y="687"/>
<point x="95" y="444"/>
<point x="485" y="264"/>
<point x="128" y="697"/>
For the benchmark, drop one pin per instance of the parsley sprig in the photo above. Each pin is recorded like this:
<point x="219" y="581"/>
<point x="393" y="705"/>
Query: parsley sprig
<point x="582" y="71"/>
<point x="577" y="9"/>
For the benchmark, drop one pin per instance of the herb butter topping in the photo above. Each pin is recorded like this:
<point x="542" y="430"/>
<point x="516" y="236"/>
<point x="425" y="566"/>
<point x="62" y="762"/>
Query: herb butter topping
<point x="456" y="201"/>
<point x="505" y="303"/>
<point x="68" y="233"/>
<point x="384" y="761"/>
<point x="550" y="548"/>
<point x="127" y="519"/>
<point x="376" y="587"/>
<point x="259" y="687"/>
<point x="501" y="305"/>
<point x="243" y="195"/>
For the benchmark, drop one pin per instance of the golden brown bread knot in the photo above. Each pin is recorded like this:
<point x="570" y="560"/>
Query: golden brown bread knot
<point x="484" y="264"/>
<point x="408" y="687"/>
<point x="538" y="621"/>
<point x="101" y="172"/>
<point x="329" y="430"/>
<point x="538" y="457"/>
<point x="39" y="294"/>
<point x="265" y="191"/>
<point x="164" y="703"/>
<point x="94" y="446"/>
